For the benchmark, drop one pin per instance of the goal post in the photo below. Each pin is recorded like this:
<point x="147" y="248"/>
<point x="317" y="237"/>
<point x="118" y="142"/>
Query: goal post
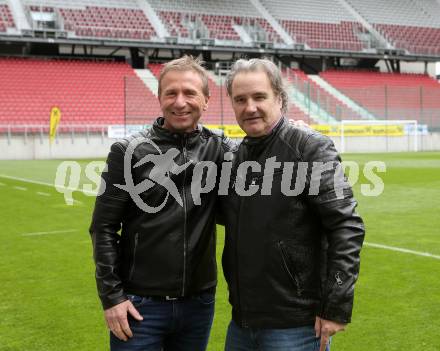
<point x="384" y="130"/>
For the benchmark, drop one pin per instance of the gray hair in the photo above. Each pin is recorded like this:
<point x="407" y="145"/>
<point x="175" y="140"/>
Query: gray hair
<point x="266" y="66"/>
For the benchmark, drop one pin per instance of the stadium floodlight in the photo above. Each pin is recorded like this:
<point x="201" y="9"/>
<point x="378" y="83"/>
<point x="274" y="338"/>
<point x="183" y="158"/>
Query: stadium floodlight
<point x="381" y="130"/>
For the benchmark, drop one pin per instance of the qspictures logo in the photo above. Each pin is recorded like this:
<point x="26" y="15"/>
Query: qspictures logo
<point x="205" y="174"/>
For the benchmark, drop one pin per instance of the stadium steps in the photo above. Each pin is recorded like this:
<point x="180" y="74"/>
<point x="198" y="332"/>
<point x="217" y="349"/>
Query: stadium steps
<point x="308" y="107"/>
<point x="149" y="79"/>
<point x="379" y="37"/>
<point x="244" y="36"/>
<point x="273" y="22"/>
<point x="320" y="96"/>
<point x="365" y="114"/>
<point x="18" y="12"/>
<point x="154" y="19"/>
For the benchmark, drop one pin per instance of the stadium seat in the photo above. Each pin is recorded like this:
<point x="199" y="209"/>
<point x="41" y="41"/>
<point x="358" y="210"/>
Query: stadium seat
<point x="6" y="19"/>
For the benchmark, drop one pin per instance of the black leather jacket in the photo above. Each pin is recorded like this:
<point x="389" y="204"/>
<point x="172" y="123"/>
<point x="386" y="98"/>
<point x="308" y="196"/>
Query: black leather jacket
<point x="168" y="253"/>
<point x="288" y="259"/>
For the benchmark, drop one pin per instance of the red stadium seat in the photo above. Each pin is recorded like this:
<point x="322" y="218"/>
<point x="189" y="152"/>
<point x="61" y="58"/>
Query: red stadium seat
<point x="6" y="19"/>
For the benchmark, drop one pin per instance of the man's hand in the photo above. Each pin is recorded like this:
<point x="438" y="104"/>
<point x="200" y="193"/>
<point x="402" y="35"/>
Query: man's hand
<point x="325" y="329"/>
<point x="116" y="318"/>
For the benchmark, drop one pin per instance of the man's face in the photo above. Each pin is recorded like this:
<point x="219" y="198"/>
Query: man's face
<point x="182" y="100"/>
<point x="256" y="106"/>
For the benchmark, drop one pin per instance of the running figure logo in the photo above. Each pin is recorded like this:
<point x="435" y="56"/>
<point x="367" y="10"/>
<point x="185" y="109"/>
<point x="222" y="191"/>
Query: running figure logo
<point x="164" y="165"/>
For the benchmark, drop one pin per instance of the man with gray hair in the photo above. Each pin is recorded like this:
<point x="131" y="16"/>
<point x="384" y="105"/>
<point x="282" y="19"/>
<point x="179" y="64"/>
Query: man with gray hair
<point x="293" y="238"/>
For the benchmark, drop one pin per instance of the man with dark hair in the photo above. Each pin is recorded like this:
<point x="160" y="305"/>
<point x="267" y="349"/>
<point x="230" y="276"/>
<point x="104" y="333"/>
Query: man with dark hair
<point x="157" y="279"/>
<point x="293" y="238"/>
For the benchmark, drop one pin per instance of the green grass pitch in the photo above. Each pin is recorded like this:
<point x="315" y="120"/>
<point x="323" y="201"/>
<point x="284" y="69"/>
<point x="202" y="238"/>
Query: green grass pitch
<point x="48" y="298"/>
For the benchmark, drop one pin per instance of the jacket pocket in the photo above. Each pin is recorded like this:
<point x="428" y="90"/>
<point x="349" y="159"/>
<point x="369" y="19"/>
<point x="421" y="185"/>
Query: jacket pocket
<point x="133" y="264"/>
<point x="289" y="267"/>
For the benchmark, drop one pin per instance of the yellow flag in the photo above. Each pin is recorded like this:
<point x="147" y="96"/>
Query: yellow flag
<point x="55" y="117"/>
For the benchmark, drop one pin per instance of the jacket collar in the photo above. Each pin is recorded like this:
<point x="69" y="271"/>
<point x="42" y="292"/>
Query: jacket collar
<point x="170" y="135"/>
<point x="263" y="140"/>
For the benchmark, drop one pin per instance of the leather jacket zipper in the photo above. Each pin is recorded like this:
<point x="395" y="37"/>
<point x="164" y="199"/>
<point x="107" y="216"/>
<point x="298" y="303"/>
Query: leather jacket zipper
<point x="338" y="278"/>
<point x="184" y="216"/>
<point x="242" y="320"/>
<point x="136" y="239"/>
<point x="288" y="270"/>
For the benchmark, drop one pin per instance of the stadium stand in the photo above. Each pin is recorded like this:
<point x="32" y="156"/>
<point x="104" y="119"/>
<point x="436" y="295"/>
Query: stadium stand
<point x="86" y="92"/>
<point x="6" y="19"/>
<point x="341" y="25"/>
<point x="321" y="24"/>
<point x="409" y="25"/>
<point x="110" y="19"/>
<point x="391" y="95"/>
<point x="213" y="20"/>
<point x="90" y="92"/>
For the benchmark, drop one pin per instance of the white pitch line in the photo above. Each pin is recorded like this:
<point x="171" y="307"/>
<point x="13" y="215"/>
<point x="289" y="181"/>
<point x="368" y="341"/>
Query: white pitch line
<point x="43" y="194"/>
<point x="20" y="188"/>
<point x="25" y="180"/>
<point x="47" y="184"/>
<point x="52" y="232"/>
<point x="399" y="249"/>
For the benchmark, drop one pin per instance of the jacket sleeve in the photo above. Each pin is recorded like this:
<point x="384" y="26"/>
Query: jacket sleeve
<point x="106" y="222"/>
<point x="228" y="146"/>
<point x="331" y="196"/>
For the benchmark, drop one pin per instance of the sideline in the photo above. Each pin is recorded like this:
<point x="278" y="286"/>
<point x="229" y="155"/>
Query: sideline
<point x="52" y="232"/>
<point x="399" y="249"/>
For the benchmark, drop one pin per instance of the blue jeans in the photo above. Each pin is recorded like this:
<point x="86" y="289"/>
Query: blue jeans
<point x="175" y="325"/>
<point x="293" y="339"/>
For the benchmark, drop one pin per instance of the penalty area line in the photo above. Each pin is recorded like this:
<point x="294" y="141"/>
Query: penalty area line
<point x="51" y="232"/>
<point x="399" y="249"/>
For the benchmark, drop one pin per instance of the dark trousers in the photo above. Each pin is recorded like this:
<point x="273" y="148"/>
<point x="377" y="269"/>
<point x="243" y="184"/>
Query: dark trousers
<point x="175" y="325"/>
